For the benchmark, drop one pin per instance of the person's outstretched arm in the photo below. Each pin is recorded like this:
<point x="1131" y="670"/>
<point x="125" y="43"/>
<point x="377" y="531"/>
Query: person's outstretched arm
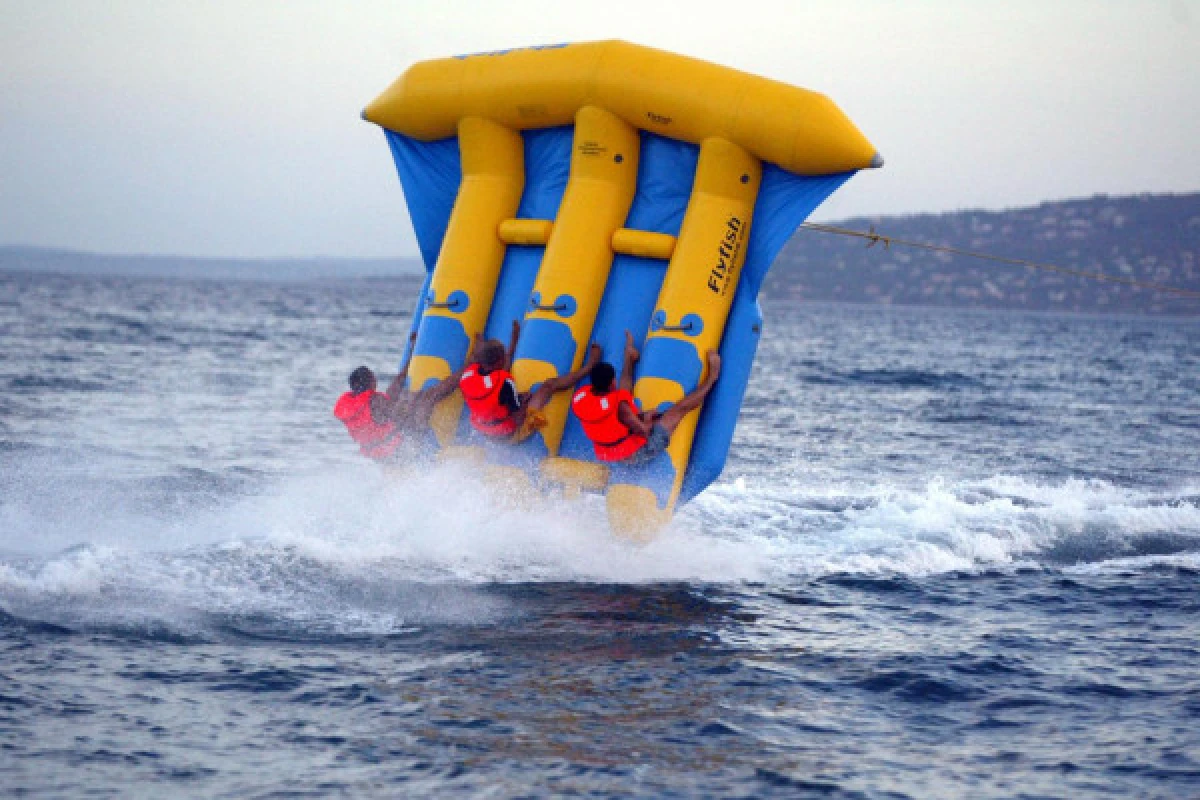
<point x="475" y="345"/>
<point x="512" y="345"/>
<point x="561" y="383"/>
<point x="398" y="382"/>
<point x="631" y="358"/>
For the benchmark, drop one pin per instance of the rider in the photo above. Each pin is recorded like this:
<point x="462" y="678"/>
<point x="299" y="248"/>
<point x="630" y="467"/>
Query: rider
<point x="378" y="420"/>
<point x="498" y="410"/>
<point x="618" y="432"/>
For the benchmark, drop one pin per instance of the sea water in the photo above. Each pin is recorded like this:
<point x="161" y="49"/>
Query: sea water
<point x="953" y="554"/>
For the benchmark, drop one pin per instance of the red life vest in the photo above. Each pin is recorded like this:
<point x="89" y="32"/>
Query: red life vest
<point x="612" y="440"/>
<point x="482" y="392"/>
<point x="375" y="440"/>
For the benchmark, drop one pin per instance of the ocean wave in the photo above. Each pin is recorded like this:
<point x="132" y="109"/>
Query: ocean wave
<point x="355" y="550"/>
<point x="1004" y="521"/>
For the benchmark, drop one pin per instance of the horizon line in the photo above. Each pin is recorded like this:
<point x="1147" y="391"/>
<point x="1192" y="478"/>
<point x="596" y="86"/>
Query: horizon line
<point x="416" y="257"/>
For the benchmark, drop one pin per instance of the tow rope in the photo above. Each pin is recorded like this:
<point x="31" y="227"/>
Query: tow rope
<point x="874" y="238"/>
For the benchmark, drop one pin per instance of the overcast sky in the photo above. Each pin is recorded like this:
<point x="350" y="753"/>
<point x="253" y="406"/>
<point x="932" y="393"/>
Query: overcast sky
<point x="232" y="129"/>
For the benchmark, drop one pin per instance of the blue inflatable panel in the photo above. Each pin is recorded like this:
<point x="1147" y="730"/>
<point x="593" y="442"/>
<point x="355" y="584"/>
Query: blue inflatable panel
<point x="784" y="201"/>
<point x="430" y="173"/>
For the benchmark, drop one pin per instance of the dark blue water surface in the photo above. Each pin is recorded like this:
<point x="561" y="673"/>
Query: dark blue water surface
<point x="953" y="555"/>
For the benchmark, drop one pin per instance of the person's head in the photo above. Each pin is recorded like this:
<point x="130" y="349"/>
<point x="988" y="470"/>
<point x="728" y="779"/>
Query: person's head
<point x="491" y="354"/>
<point x="362" y="380"/>
<point x="602" y="375"/>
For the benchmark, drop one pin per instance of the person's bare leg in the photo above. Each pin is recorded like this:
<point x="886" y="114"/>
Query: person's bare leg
<point x="650" y="417"/>
<point x="418" y="409"/>
<point x="552" y="386"/>
<point x="671" y="418"/>
<point x="631" y="357"/>
<point x="401" y="408"/>
<point x="422" y="403"/>
<point x="518" y="416"/>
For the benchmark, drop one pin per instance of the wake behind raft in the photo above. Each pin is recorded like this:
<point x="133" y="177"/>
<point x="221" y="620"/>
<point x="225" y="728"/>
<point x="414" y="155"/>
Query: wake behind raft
<point x="590" y="189"/>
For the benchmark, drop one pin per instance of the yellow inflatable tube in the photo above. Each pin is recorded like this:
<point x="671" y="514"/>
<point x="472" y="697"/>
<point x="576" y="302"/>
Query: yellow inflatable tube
<point x="800" y="130"/>
<point x="460" y="292"/>
<point x="690" y="314"/>
<point x="566" y="296"/>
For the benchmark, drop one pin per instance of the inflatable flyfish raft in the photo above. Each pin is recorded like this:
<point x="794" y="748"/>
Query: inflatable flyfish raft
<point x="590" y="189"/>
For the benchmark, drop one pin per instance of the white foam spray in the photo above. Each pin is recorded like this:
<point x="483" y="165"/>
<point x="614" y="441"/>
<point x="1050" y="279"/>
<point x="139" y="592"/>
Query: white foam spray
<point x="330" y="547"/>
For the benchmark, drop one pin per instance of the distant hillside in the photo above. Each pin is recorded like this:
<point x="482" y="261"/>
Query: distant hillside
<point x="37" y="259"/>
<point x="1152" y="238"/>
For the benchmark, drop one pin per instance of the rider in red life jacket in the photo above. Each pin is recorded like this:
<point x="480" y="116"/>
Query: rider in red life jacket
<point x="617" y="430"/>
<point x="377" y="420"/>
<point x="497" y="409"/>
